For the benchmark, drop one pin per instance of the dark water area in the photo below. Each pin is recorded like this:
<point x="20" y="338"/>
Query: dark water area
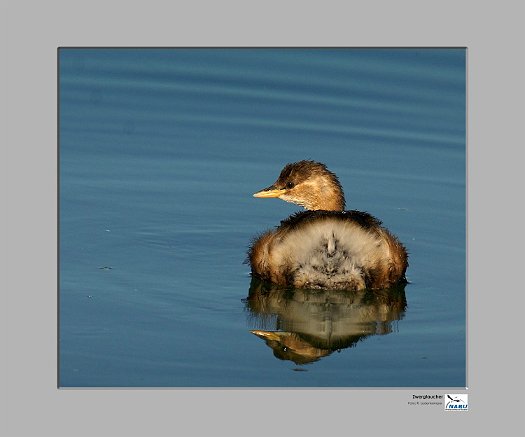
<point x="160" y="151"/>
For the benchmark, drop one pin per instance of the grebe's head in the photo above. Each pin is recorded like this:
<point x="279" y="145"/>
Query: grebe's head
<point x="309" y="184"/>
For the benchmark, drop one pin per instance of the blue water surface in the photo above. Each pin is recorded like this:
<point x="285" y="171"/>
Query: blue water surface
<point x="160" y="151"/>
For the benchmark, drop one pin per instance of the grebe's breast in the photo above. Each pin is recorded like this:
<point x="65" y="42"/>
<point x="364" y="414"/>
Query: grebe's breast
<point x="330" y="249"/>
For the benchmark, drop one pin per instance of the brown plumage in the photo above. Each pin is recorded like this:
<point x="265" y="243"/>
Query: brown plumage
<point x="325" y="247"/>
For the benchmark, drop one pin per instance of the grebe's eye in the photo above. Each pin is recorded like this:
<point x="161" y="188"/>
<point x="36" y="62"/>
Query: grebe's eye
<point x="289" y="185"/>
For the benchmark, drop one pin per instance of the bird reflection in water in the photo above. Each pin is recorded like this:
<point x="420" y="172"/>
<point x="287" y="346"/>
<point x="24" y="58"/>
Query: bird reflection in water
<point x="304" y="325"/>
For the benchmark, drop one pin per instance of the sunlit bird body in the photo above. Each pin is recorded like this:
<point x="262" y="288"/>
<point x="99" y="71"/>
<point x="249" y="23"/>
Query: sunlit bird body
<point x="325" y="247"/>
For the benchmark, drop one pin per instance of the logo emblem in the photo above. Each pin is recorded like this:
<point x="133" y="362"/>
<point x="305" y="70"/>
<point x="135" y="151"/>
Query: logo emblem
<point x="456" y="402"/>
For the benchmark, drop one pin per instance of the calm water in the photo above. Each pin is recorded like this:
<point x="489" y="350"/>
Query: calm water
<point x="160" y="152"/>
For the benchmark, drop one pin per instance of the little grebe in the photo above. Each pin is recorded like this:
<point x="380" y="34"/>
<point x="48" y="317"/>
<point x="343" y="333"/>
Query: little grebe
<point x="325" y="247"/>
